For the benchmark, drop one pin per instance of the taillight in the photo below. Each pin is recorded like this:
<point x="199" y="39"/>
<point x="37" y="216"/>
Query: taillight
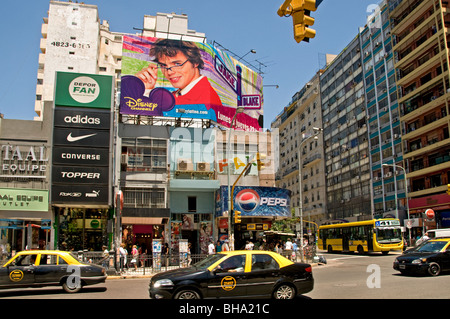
<point x="308" y="269"/>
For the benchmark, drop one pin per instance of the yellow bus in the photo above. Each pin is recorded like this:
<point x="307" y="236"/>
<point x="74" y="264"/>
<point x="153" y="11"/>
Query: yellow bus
<point x="376" y="235"/>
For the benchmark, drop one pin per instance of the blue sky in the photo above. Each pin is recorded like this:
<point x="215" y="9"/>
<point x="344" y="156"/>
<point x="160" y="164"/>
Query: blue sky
<point x="238" y="25"/>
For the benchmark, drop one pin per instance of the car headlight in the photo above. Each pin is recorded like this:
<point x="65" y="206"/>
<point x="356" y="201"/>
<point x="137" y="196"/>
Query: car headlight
<point x="163" y="283"/>
<point x="418" y="261"/>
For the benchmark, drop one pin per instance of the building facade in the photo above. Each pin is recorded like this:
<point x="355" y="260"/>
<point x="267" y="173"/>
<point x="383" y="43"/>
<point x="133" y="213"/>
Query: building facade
<point x="299" y="148"/>
<point x="421" y="57"/>
<point x="384" y="129"/>
<point x="347" y="162"/>
<point x="25" y="216"/>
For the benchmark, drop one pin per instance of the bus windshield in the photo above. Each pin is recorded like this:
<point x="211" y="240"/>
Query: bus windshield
<point x="387" y="235"/>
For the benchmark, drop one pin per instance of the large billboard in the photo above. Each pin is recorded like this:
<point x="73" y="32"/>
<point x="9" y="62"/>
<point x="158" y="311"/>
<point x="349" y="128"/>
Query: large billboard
<point x="182" y="79"/>
<point x="255" y="201"/>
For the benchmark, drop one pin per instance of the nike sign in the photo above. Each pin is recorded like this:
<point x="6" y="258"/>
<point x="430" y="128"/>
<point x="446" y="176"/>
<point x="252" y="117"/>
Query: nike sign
<point x="70" y="138"/>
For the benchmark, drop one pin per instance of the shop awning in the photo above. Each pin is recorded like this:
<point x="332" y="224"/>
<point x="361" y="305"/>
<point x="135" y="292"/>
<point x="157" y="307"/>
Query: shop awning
<point x="142" y="220"/>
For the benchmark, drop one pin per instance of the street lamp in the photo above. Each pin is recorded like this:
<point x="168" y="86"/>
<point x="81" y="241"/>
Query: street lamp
<point x="406" y="192"/>
<point x="317" y="131"/>
<point x="230" y="213"/>
<point x="251" y="51"/>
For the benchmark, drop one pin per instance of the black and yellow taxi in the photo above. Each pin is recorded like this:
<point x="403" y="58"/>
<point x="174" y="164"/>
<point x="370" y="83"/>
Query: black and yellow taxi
<point x="431" y="257"/>
<point x="39" y="268"/>
<point x="235" y="274"/>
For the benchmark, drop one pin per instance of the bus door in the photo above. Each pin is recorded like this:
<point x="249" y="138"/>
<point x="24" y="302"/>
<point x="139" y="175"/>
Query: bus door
<point x="345" y="239"/>
<point x="369" y="232"/>
<point x="324" y="236"/>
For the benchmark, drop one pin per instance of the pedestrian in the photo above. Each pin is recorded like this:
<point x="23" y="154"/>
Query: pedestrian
<point x="211" y="249"/>
<point x="218" y="247"/>
<point x="165" y="254"/>
<point x="105" y="255"/>
<point x="189" y="254"/>
<point x="288" y="248"/>
<point x="295" y="250"/>
<point x="225" y="246"/>
<point x="134" y="256"/>
<point x="123" y="257"/>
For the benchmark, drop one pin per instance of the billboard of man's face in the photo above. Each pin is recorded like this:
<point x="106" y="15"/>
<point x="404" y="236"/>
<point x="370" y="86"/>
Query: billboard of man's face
<point x="162" y="76"/>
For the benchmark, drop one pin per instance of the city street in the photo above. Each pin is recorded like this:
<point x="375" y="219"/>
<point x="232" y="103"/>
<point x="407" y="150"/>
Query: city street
<point x="345" y="276"/>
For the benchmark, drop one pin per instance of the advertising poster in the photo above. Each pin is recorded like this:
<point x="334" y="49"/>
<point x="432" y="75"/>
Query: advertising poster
<point x="256" y="201"/>
<point x="183" y="79"/>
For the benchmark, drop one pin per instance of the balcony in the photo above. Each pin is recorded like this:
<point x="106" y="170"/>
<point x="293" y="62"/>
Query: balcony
<point x="439" y="162"/>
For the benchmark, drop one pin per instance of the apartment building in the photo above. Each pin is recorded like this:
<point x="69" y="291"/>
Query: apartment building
<point x="388" y="181"/>
<point x="301" y="146"/>
<point x="344" y="115"/>
<point x="421" y="57"/>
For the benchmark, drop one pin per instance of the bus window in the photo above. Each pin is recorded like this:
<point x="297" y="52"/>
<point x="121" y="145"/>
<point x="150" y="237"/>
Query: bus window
<point x="389" y="235"/>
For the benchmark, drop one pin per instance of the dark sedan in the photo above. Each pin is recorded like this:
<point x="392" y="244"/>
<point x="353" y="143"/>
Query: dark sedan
<point x="39" y="268"/>
<point x="432" y="258"/>
<point x="235" y="274"/>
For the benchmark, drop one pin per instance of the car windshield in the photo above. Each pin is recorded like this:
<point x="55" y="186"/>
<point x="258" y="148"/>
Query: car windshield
<point x="208" y="261"/>
<point x="432" y="246"/>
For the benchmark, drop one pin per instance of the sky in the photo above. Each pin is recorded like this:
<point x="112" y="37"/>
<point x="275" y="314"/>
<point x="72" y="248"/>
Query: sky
<point x="237" y="25"/>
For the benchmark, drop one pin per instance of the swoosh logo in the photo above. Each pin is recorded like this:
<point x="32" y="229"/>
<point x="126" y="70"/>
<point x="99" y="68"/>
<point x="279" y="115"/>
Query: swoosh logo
<point x="70" y="138"/>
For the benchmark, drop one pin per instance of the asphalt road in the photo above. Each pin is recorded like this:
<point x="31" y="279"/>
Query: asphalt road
<point x="345" y="276"/>
<point x="353" y="276"/>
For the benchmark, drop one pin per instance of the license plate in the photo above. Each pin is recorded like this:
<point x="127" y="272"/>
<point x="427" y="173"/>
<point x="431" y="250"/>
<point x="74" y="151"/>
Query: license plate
<point x="401" y="266"/>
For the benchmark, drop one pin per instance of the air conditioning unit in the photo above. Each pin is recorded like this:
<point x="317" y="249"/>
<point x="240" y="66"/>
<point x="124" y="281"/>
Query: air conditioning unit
<point x="202" y="167"/>
<point x="185" y="165"/>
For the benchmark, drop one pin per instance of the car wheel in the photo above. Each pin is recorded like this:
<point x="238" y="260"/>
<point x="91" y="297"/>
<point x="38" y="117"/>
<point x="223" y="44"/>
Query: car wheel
<point x="70" y="287"/>
<point x="434" y="269"/>
<point x="330" y="249"/>
<point x="284" y="291"/>
<point x="187" y="294"/>
<point x="360" y="250"/>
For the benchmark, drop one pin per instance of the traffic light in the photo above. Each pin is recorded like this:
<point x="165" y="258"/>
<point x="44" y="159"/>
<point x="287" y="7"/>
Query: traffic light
<point x="448" y="189"/>
<point x="237" y="217"/>
<point x="259" y="160"/>
<point x="300" y="11"/>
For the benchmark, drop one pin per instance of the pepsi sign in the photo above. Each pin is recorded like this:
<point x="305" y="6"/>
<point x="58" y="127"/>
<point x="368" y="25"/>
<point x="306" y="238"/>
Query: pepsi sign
<point x="258" y="201"/>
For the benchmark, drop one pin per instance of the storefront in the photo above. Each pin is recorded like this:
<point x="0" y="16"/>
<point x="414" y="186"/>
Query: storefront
<point x="25" y="222"/>
<point x="82" y="161"/>
<point x="420" y="222"/>
<point x="82" y="228"/>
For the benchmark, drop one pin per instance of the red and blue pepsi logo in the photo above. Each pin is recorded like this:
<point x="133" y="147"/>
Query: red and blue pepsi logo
<point x="247" y="200"/>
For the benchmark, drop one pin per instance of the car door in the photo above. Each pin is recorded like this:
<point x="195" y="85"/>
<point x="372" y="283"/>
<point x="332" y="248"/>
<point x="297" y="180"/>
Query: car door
<point x="49" y="269"/>
<point x="265" y="271"/>
<point x="446" y="259"/>
<point x="228" y="279"/>
<point x="20" y="272"/>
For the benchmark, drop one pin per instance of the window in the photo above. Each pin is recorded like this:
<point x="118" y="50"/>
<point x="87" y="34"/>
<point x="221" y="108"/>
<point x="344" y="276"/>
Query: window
<point x="48" y="260"/>
<point x="25" y="260"/>
<point x="144" y="197"/>
<point x="233" y="264"/>
<point x="192" y="204"/>
<point x="144" y="155"/>
<point x="260" y="262"/>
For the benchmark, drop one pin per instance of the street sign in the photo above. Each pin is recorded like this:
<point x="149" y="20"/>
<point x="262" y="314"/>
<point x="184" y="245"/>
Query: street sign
<point x="429" y="213"/>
